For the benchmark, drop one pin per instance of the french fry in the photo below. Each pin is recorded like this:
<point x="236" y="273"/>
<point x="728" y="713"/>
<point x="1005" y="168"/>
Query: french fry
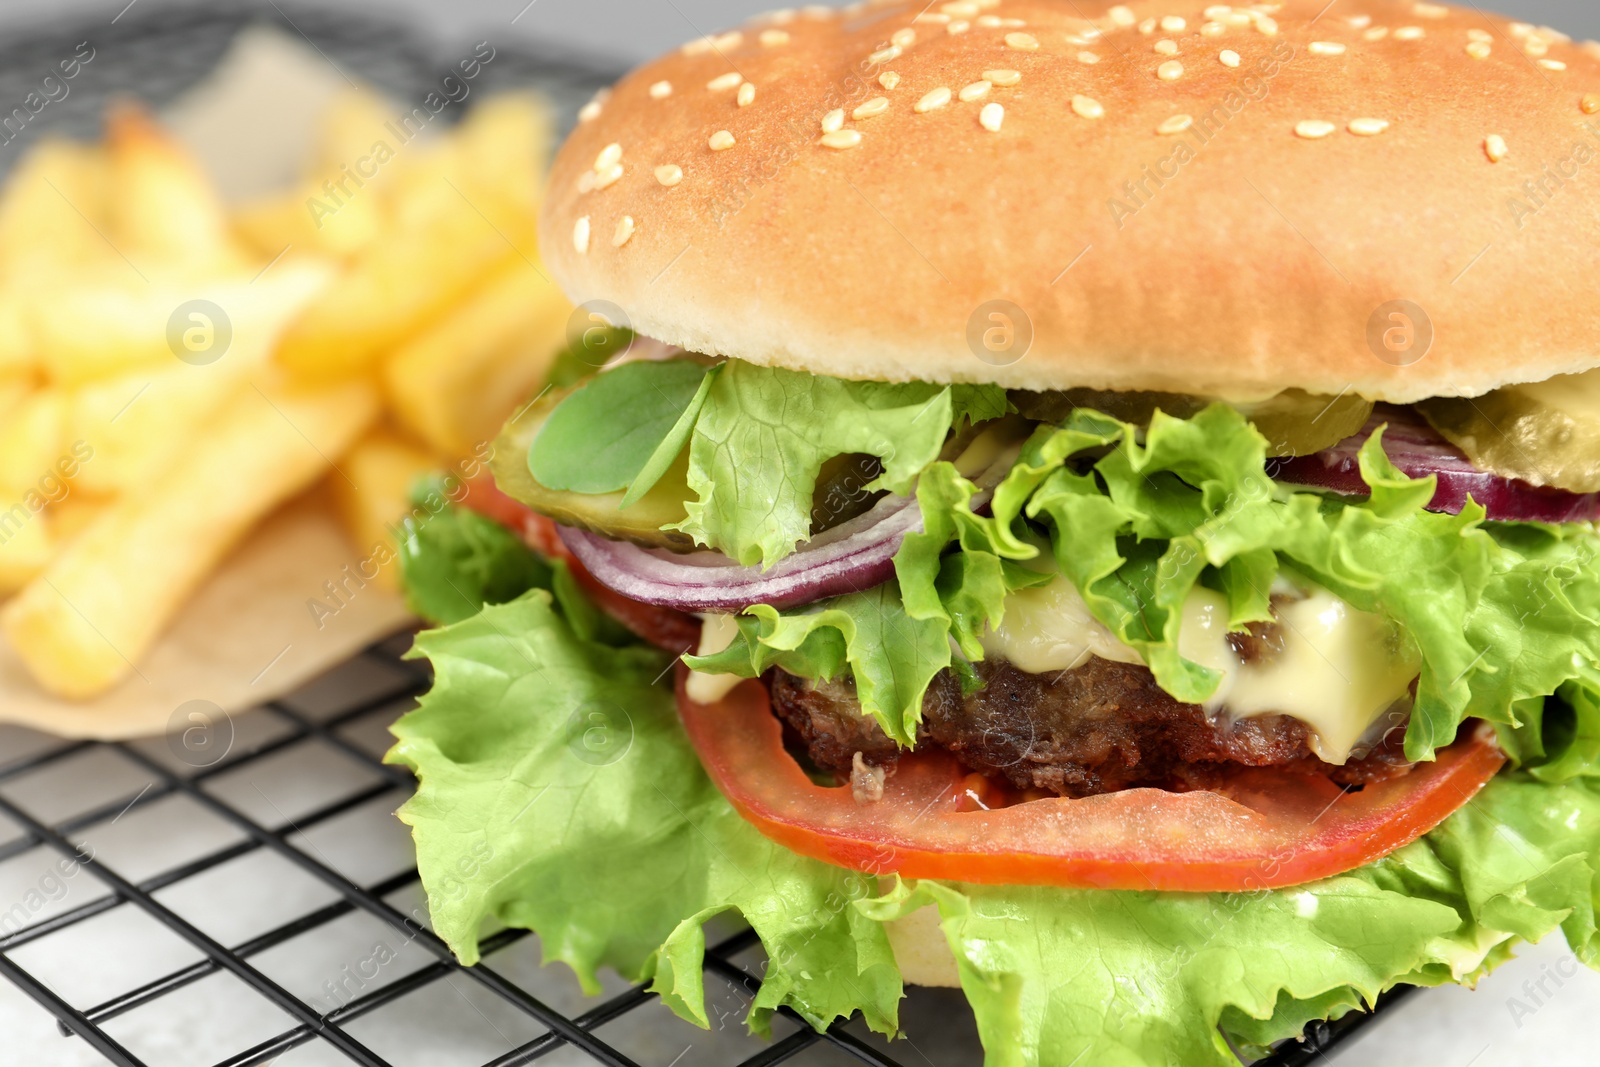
<point x="380" y="470"/>
<point x="53" y="214"/>
<point x="139" y="421"/>
<point x="18" y="354"/>
<point x="455" y="383"/>
<point x="298" y="219"/>
<point x="32" y="440"/>
<point x="75" y="513"/>
<point x="111" y="325"/>
<point x="164" y="212"/>
<point x="401" y="284"/>
<point x="503" y="144"/>
<point x="84" y="623"/>
<point x="25" y="545"/>
<point x="13" y="389"/>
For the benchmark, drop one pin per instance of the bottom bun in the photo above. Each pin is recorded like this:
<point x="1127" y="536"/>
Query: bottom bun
<point x="921" y="950"/>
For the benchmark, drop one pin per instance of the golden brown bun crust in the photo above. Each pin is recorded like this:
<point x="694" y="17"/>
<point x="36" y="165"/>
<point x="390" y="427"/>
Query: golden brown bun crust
<point x="1255" y="264"/>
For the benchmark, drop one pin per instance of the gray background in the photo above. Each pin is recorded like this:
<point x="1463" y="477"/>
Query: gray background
<point x="638" y="29"/>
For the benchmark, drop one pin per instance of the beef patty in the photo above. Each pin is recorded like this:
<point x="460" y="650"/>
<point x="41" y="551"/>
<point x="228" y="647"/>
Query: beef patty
<point x="1097" y="728"/>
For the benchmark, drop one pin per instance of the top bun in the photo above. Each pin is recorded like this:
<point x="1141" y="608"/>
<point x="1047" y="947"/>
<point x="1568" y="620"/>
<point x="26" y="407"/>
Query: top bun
<point x="1225" y="201"/>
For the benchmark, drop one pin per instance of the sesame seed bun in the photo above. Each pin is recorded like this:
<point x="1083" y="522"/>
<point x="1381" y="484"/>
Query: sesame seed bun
<point x="1396" y="199"/>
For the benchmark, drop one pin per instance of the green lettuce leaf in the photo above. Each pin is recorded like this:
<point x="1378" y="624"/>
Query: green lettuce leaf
<point x="454" y="561"/>
<point x="764" y="433"/>
<point x="558" y="793"/>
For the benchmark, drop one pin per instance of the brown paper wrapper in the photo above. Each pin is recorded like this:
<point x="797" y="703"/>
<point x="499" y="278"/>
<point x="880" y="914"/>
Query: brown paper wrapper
<point x="247" y="637"/>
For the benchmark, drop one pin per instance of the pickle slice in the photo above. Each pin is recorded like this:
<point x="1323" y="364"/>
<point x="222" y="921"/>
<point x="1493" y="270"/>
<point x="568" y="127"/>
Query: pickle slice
<point x="1546" y="433"/>
<point x="1297" y="423"/>
<point x="640" y="522"/>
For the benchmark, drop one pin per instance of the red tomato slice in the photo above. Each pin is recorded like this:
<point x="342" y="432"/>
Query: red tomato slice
<point x="1268" y="829"/>
<point x="672" y="630"/>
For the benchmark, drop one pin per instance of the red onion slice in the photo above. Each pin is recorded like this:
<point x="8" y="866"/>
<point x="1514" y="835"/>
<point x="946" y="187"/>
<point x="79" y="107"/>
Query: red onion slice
<point x="855" y="555"/>
<point x="1418" y="450"/>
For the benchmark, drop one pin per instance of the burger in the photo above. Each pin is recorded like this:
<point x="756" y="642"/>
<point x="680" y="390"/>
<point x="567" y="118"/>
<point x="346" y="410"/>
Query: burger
<point x="1095" y="507"/>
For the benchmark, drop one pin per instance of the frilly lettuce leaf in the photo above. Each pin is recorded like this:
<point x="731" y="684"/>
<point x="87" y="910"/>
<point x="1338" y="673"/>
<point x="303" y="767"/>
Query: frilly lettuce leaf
<point x="1501" y="615"/>
<point x="764" y="433"/>
<point x="558" y="793"/>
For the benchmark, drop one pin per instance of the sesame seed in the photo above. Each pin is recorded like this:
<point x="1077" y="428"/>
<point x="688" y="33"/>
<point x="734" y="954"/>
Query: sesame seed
<point x="1002" y="77"/>
<point x="1536" y="46"/>
<point x="1078" y="39"/>
<point x="1590" y="103"/>
<point x="884" y="55"/>
<point x="590" y="111"/>
<point x="1229" y="57"/>
<point x="1022" y="42"/>
<point x="1495" y="147"/>
<point x="774" y="38"/>
<point x="833" y="120"/>
<point x="1552" y="64"/>
<point x="975" y="91"/>
<point x="1479" y="49"/>
<point x="1410" y="33"/>
<point x="1148" y="26"/>
<point x="904" y="38"/>
<point x="935" y="17"/>
<point x="1174" y="23"/>
<point x="1170" y="71"/>
<point x="1088" y="107"/>
<point x="991" y="116"/>
<point x="1358" y="22"/>
<point x="1219" y="11"/>
<point x="1326" y="48"/>
<point x="932" y="101"/>
<point x="1267" y="26"/>
<point x="580" y="235"/>
<point x="669" y="174"/>
<point x="888" y="79"/>
<point x="1522" y="29"/>
<point x="1122" y="15"/>
<point x="727" y="41"/>
<point x="747" y="94"/>
<point x="1088" y="58"/>
<point x="1017" y="24"/>
<point x="1313" y="129"/>
<point x="1377" y="33"/>
<point x="1476" y="34"/>
<point x="623" y="232"/>
<point x="725" y="81"/>
<point x="958" y="27"/>
<point x="841" y="139"/>
<point x="989" y="22"/>
<point x="660" y="90"/>
<point x="782" y="16"/>
<point x="1367" y="127"/>
<point x="586" y="182"/>
<point x="721" y="141"/>
<point x="609" y="155"/>
<point x="698" y="46"/>
<point x="962" y="9"/>
<point x="1175" y="125"/>
<point x="1213" y="29"/>
<point x="876" y="106"/>
<point x="1167" y="47"/>
<point x="1238" y="18"/>
<point x="608" y="176"/>
<point x="1430" y="11"/>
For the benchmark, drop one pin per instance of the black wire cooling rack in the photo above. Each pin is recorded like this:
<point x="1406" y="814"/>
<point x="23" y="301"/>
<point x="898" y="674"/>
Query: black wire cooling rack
<point x="245" y="895"/>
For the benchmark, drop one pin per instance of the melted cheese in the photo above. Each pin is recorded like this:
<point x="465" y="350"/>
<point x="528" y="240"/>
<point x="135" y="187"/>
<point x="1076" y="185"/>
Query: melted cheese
<point x="1049" y="628"/>
<point x="716" y="634"/>
<point x="1340" y="669"/>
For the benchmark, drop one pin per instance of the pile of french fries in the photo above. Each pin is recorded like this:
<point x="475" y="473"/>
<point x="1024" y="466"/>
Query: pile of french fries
<point x="173" y="370"/>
